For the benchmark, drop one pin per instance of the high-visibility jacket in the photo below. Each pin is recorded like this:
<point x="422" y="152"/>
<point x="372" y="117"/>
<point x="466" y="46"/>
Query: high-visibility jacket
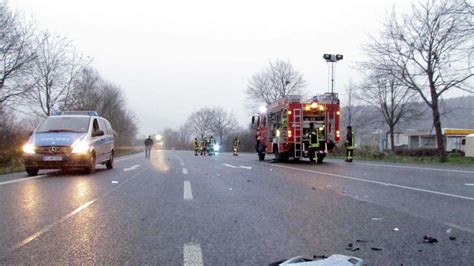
<point x="350" y="140"/>
<point x="314" y="138"/>
<point x="236" y="143"/>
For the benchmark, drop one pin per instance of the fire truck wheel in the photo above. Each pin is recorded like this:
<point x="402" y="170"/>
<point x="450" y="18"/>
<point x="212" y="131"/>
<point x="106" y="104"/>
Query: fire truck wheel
<point x="261" y="156"/>
<point x="320" y="159"/>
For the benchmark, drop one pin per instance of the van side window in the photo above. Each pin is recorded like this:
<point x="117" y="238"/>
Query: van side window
<point x="103" y="126"/>
<point x="95" y="126"/>
<point x="109" y="128"/>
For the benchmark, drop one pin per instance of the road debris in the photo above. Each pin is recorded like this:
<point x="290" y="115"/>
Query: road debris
<point x="376" y="249"/>
<point x="351" y="247"/>
<point x="453" y="238"/>
<point x="449" y="231"/>
<point x="114" y="182"/>
<point x="248" y="180"/>
<point x="313" y="188"/>
<point x="396" y="229"/>
<point x="363" y="241"/>
<point x="429" y="240"/>
<point x="320" y="257"/>
<point x="377" y="218"/>
<point x="230" y="188"/>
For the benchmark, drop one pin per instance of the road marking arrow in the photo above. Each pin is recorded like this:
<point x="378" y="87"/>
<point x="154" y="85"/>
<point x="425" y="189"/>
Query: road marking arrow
<point x="131" y="168"/>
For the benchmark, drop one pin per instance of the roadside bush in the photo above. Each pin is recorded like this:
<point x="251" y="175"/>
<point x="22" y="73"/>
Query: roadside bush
<point x="424" y="152"/>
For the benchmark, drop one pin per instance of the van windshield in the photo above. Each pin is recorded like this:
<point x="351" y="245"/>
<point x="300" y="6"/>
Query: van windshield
<point x="64" y="124"/>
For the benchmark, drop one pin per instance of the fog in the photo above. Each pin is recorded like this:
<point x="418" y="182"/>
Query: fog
<point x="174" y="57"/>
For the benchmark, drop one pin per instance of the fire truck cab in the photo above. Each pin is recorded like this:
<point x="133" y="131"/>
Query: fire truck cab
<point x="282" y="127"/>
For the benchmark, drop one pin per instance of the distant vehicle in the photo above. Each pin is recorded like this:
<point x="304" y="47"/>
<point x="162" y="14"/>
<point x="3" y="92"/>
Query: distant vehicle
<point x="282" y="127"/>
<point x="65" y="140"/>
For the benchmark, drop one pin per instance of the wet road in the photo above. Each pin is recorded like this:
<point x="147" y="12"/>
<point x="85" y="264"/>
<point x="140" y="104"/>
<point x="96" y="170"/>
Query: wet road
<point x="180" y="209"/>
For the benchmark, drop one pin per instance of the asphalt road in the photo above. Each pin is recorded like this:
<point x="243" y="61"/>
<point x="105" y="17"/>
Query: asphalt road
<point x="180" y="209"/>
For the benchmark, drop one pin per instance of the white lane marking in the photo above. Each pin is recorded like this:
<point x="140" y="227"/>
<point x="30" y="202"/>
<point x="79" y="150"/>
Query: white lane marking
<point x="188" y="193"/>
<point x="418" y="168"/>
<point x="131" y="168"/>
<point x="69" y="215"/>
<point x="21" y="180"/>
<point x="192" y="254"/>
<point x="469" y="184"/>
<point x="229" y="165"/>
<point x="240" y="166"/>
<point x="128" y="158"/>
<point x="185" y="171"/>
<point x="380" y="183"/>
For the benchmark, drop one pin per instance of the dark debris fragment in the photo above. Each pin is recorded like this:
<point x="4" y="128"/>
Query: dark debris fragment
<point x="429" y="240"/>
<point x="452" y="238"/>
<point x="376" y="249"/>
<point x="316" y="257"/>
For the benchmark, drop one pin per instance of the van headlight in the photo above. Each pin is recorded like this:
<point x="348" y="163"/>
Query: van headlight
<point x="29" y="148"/>
<point x="81" y="147"/>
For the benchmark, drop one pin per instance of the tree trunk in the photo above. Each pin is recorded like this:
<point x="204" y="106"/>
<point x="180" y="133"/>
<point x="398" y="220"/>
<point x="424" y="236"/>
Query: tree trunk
<point x="392" y="137"/>
<point x="443" y="157"/>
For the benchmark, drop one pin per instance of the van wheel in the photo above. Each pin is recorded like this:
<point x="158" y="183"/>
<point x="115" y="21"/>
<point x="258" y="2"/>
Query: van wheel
<point x="32" y="171"/>
<point x="110" y="163"/>
<point x="90" y="169"/>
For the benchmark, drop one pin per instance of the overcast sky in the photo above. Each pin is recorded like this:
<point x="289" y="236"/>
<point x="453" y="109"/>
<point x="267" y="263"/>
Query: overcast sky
<point x="174" y="57"/>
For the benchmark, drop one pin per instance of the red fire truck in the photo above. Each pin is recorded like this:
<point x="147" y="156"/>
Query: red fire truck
<point x="282" y="127"/>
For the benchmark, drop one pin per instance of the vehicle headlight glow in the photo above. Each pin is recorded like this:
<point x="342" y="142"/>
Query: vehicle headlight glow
<point x="29" y="148"/>
<point x="217" y="147"/>
<point x="81" y="147"/>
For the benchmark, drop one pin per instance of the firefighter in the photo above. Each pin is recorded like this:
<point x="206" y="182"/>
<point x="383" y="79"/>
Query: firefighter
<point x="313" y="135"/>
<point x="203" y="146"/>
<point x="195" y="146"/>
<point x="212" y="144"/>
<point x="350" y="144"/>
<point x="236" y="145"/>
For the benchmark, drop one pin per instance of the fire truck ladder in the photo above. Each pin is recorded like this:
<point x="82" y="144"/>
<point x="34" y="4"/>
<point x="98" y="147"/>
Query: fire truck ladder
<point x="298" y="126"/>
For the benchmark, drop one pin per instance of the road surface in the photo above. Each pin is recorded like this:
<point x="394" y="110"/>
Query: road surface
<point x="180" y="209"/>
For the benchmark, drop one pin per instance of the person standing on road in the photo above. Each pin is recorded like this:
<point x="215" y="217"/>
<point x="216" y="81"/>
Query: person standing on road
<point x="313" y="142"/>
<point x="203" y="146"/>
<point x="350" y="144"/>
<point x="195" y="146"/>
<point x="148" y="146"/>
<point x="236" y="145"/>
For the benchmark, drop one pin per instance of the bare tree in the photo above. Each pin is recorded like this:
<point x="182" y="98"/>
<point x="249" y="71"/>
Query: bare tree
<point x="222" y="122"/>
<point x="395" y="103"/>
<point x="278" y="80"/>
<point x="55" y="68"/>
<point x="16" y="53"/>
<point x="428" y="52"/>
<point x="200" y="122"/>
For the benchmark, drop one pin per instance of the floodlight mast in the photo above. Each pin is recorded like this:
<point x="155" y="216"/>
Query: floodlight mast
<point x="332" y="58"/>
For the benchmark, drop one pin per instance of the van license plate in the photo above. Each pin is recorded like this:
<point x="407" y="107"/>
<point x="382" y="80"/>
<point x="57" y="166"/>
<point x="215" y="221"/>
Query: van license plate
<point x="52" y="158"/>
